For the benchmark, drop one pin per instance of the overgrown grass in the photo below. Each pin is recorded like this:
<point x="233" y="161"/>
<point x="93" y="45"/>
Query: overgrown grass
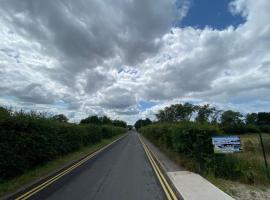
<point x="7" y="186"/>
<point x="252" y="155"/>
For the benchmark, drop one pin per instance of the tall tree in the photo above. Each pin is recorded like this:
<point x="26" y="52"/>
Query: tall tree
<point x="184" y="111"/>
<point x="91" y="120"/>
<point x="119" y="123"/>
<point x="161" y="116"/>
<point x="142" y="122"/>
<point x="251" y="118"/>
<point x="231" y="118"/>
<point x="105" y="120"/>
<point x="177" y="112"/>
<point x="216" y="116"/>
<point x="60" y="118"/>
<point x="264" y="118"/>
<point x="204" y="113"/>
<point x="4" y="113"/>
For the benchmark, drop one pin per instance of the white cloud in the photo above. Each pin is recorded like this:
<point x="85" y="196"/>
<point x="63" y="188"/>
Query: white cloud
<point x="102" y="57"/>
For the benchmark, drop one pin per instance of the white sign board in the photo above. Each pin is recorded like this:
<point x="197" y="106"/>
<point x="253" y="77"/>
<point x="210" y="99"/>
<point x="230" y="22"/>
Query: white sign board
<point x="226" y="144"/>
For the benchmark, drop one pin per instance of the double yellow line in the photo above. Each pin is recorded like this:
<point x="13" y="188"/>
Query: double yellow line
<point x="61" y="174"/>
<point x="166" y="187"/>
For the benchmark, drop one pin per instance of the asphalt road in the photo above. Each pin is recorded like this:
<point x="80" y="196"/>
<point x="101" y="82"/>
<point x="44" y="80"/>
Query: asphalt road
<point x="120" y="172"/>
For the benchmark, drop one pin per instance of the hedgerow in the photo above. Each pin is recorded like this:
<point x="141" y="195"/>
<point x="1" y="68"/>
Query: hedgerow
<point x="190" y="139"/>
<point x="29" y="140"/>
<point x="192" y="143"/>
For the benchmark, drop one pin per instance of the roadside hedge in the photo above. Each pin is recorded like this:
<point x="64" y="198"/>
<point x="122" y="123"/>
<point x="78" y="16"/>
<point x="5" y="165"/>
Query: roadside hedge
<point x="27" y="141"/>
<point x="188" y="138"/>
<point x="191" y="143"/>
<point x="242" y="129"/>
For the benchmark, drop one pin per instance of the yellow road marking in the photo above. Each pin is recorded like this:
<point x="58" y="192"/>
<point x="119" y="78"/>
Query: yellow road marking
<point x="159" y="178"/>
<point x="58" y="176"/>
<point x="163" y="178"/>
<point x="166" y="187"/>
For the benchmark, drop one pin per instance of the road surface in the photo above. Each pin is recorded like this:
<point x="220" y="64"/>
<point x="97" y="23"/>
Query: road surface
<point x="122" y="171"/>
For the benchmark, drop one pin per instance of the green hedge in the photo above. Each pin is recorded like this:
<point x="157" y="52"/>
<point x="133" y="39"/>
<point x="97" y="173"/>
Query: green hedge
<point x="27" y="141"/>
<point x="190" y="139"/>
<point x="192" y="142"/>
<point x="241" y="129"/>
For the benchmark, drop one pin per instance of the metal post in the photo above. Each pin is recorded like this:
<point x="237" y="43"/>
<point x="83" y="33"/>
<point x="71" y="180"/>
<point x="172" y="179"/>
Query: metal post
<point x="264" y="156"/>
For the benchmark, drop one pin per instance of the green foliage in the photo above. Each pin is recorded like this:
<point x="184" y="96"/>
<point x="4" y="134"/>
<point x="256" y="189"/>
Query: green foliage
<point x="231" y="118"/>
<point x="231" y="122"/>
<point x="29" y="140"/>
<point x="265" y="128"/>
<point x="205" y="112"/>
<point x="104" y="120"/>
<point x="142" y="122"/>
<point x="119" y="123"/>
<point x="60" y="118"/>
<point x="188" y="138"/>
<point x="241" y="129"/>
<point x="4" y="113"/>
<point x="177" y="112"/>
<point x="91" y="120"/>
<point x="263" y="118"/>
<point x="192" y="142"/>
<point x="251" y="118"/>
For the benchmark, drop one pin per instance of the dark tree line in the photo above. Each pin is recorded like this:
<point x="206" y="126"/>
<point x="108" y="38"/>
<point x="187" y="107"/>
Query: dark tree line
<point x="229" y="121"/>
<point x="142" y="122"/>
<point x="103" y="120"/>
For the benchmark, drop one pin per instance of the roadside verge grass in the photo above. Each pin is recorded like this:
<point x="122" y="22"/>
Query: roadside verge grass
<point x="11" y="185"/>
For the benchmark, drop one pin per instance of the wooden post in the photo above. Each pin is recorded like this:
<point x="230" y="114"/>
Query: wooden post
<point x="264" y="156"/>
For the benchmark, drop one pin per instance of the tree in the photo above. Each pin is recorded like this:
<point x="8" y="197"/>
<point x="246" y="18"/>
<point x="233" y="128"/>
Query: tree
<point x="4" y="112"/>
<point x="215" y="117"/>
<point x="184" y="111"/>
<point x="204" y="113"/>
<point x="105" y="120"/>
<point x="264" y="118"/>
<point x="231" y="118"/>
<point x="251" y="118"/>
<point x="119" y="123"/>
<point x="141" y="122"/>
<point x="177" y="112"/>
<point x="91" y="120"/>
<point x="161" y="116"/>
<point x="60" y="118"/>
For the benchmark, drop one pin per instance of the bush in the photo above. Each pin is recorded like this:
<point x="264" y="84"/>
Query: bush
<point x="230" y="166"/>
<point x="265" y="128"/>
<point x="191" y="139"/>
<point x="250" y="128"/>
<point x="29" y="140"/>
<point x="241" y="129"/>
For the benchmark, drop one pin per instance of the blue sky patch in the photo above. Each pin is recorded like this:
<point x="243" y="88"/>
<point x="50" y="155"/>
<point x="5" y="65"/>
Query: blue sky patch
<point x="143" y="105"/>
<point x="212" y="13"/>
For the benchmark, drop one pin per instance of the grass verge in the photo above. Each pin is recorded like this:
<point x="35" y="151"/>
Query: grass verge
<point x="14" y="184"/>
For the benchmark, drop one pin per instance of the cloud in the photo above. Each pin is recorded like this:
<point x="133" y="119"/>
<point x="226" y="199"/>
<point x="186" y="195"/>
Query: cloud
<point x="194" y="61"/>
<point x="117" y="98"/>
<point x="104" y="57"/>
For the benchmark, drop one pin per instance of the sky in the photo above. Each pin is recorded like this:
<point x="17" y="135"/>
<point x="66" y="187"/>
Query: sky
<point x="127" y="59"/>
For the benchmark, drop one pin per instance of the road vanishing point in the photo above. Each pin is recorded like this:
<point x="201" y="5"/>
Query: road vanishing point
<point x="123" y="170"/>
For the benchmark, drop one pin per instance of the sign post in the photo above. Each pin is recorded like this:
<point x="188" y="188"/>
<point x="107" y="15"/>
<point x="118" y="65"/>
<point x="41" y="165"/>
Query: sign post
<point x="264" y="155"/>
